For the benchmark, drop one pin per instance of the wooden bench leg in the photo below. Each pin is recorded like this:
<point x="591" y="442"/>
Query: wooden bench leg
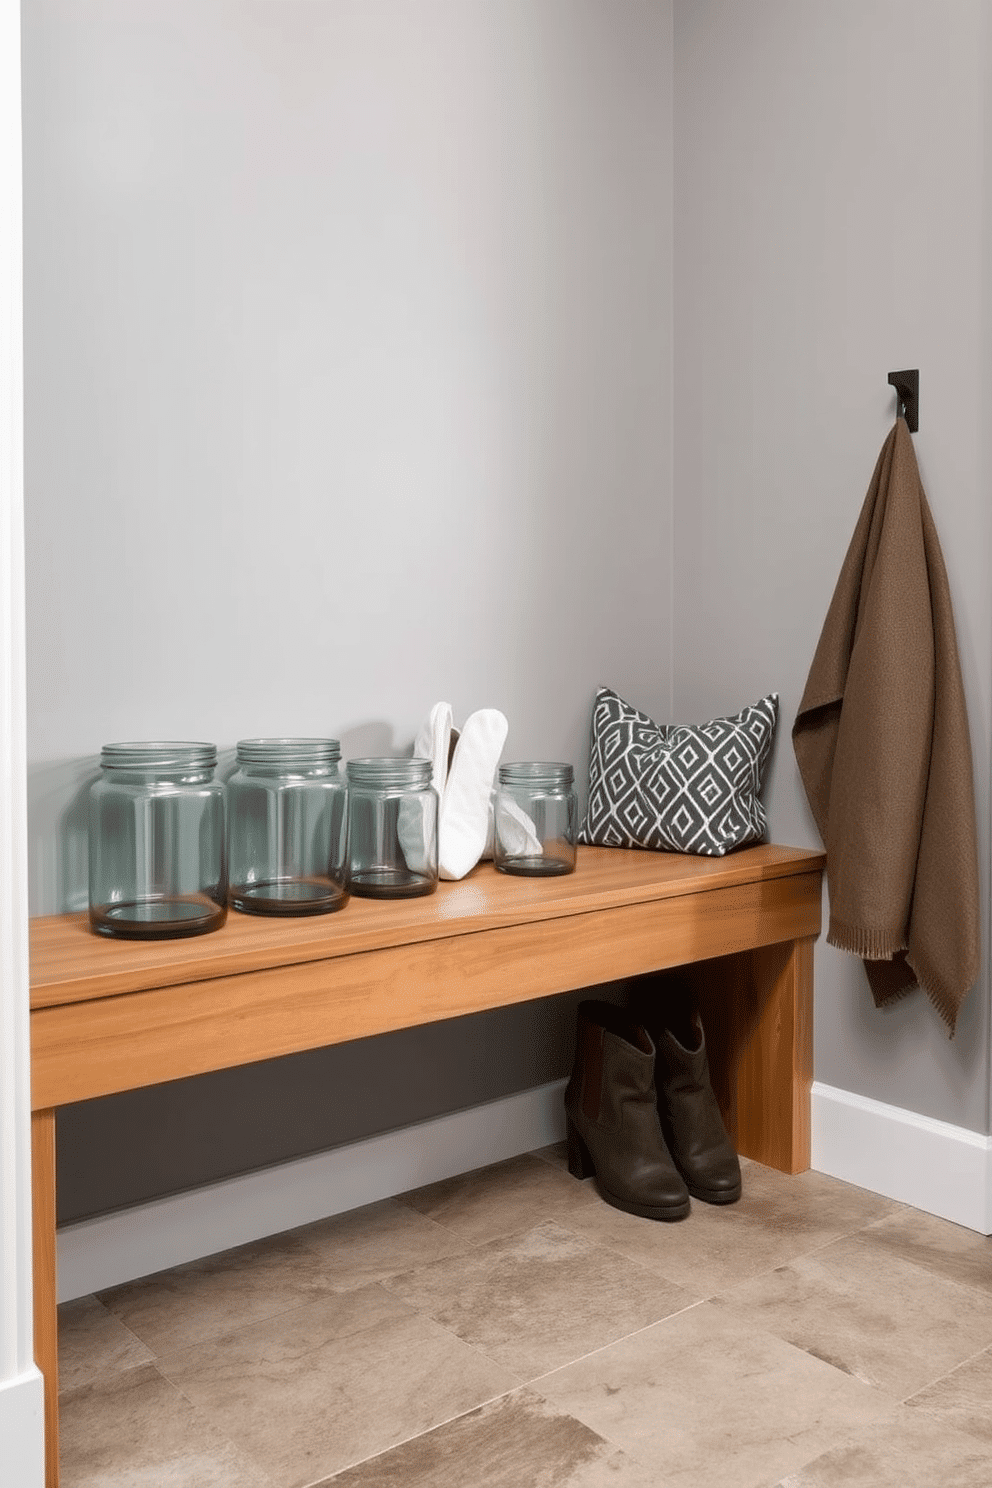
<point x="46" y="1352"/>
<point x="757" y="1010"/>
<point x="776" y="1065"/>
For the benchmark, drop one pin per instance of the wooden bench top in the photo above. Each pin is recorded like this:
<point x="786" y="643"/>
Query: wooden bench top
<point x="71" y="964"/>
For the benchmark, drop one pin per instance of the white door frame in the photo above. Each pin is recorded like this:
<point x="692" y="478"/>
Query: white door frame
<point x="21" y="1393"/>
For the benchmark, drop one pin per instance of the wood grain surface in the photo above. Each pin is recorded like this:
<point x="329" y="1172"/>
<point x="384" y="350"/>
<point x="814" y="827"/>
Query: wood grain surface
<point x="44" y="1281"/>
<point x="70" y="962"/>
<point x="101" y="1045"/>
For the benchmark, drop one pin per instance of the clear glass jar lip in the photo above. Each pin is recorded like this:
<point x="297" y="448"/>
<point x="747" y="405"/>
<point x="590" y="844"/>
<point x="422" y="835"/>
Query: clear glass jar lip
<point x="159" y="754"/>
<point x="391" y="770"/>
<point x="280" y="751"/>
<point x="552" y="772"/>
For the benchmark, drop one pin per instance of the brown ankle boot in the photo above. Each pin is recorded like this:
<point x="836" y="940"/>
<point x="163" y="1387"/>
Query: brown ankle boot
<point x="690" y="1116"/>
<point x="612" y="1110"/>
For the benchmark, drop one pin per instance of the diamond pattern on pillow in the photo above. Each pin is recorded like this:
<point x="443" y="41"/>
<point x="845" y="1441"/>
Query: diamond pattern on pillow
<point x="685" y="788"/>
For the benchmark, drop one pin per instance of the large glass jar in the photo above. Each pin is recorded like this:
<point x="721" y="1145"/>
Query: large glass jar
<point x="287" y="827"/>
<point x="392" y="807"/>
<point x="536" y="819"/>
<point x="156" y="842"/>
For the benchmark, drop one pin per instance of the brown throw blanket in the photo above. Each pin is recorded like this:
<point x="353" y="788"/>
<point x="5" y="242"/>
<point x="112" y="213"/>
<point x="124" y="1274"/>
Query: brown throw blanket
<point x="882" y="742"/>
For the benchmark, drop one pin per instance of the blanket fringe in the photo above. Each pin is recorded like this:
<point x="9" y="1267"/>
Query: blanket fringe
<point x="946" y="1004"/>
<point x="870" y="945"/>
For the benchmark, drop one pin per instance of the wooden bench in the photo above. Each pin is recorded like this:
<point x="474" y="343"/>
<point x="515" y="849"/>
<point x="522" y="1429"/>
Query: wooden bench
<point x="110" y="1015"/>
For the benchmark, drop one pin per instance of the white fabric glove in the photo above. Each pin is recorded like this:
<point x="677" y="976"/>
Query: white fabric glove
<point x="433" y="743"/>
<point x="465" y="828"/>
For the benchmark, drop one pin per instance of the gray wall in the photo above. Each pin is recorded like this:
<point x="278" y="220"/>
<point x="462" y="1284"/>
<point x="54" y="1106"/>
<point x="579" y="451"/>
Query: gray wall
<point x="832" y="224"/>
<point x="348" y="389"/>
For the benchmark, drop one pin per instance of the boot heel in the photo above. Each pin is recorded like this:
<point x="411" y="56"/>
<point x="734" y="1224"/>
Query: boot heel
<point x="580" y="1164"/>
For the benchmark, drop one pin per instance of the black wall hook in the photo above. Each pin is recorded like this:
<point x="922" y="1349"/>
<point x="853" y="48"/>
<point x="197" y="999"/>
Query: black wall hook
<point x="907" y="386"/>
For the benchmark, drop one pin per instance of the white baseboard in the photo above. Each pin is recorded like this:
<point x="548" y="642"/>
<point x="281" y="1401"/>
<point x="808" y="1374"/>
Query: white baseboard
<point x="22" y="1430"/>
<point x="115" y="1248"/>
<point x="942" y="1169"/>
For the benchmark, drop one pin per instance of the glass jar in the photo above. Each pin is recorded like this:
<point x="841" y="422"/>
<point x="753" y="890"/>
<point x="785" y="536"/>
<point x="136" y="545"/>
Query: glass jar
<point x="156" y="842"/>
<point x="392" y="809"/>
<point x="287" y="828"/>
<point x="536" y="819"/>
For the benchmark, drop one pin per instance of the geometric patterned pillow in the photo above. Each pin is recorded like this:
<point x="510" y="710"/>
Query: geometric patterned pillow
<point x="690" y="789"/>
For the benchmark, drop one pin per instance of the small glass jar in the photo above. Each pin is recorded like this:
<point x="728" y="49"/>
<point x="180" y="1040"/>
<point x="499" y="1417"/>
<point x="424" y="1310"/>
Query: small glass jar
<point x="157" y="859"/>
<point x="392" y="809"/>
<point x="536" y="819"/>
<point x="287" y="828"/>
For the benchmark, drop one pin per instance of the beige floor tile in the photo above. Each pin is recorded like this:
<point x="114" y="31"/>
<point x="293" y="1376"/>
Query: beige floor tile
<point x="899" y="1452"/>
<point x="962" y="1399"/>
<point x="937" y="1245"/>
<point x="175" y="1309"/>
<point x="316" y="1389"/>
<point x="778" y="1217"/>
<point x="189" y="1304"/>
<point x="535" y="1300"/>
<point x="137" y="1431"/>
<point x="94" y="1344"/>
<point x="708" y="1402"/>
<point x="377" y="1240"/>
<point x="388" y="1345"/>
<point x="518" y="1441"/>
<point x="503" y="1198"/>
<point x="868" y="1312"/>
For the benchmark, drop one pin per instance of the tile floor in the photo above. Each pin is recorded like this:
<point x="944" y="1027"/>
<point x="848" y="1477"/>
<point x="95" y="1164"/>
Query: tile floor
<point x="507" y="1329"/>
